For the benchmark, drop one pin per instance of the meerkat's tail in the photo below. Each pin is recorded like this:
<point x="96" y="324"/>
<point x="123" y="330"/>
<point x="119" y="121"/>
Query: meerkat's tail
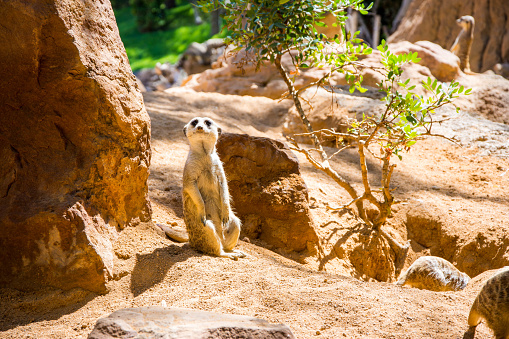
<point x="173" y="234"/>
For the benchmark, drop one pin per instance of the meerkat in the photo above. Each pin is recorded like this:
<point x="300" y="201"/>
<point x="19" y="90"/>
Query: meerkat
<point x="463" y="43"/>
<point x="212" y="226"/>
<point x="492" y="304"/>
<point x="434" y="274"/>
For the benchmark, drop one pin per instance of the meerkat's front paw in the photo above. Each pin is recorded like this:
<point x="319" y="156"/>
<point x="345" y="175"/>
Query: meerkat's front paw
<point x="240" y="253"/>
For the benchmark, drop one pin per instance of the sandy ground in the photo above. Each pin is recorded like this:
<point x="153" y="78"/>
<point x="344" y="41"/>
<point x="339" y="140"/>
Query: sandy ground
<point x="317" y="297"/>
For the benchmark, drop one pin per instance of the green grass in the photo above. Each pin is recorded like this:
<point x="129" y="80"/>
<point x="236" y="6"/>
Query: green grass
<point x="146" y="49"/>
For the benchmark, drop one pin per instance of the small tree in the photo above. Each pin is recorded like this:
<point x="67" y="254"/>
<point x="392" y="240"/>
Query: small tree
<point x="269" y="29"/>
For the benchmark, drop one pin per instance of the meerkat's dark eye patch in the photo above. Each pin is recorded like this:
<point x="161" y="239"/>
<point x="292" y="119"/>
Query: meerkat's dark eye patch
<point x="208" y="123"/>
<point x="194" y="122"/>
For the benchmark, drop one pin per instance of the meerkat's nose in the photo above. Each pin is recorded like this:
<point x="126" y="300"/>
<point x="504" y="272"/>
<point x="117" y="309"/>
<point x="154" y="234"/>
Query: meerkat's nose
<point x="199" y="128"/>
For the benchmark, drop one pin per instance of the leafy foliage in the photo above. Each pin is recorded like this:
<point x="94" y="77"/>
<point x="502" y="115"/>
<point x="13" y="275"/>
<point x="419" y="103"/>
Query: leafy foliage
<point x="408" y="116"/>
<point x="270" y="28"/>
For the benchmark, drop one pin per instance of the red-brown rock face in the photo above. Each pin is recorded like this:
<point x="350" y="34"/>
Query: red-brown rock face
<point x="268" y="192"/>
<point x="74" y="144"/>
<point x="435" y="20"/>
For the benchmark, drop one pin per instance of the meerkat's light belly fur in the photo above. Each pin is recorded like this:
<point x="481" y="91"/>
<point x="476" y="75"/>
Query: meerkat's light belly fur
<point x="208" y="185"/>
<point x="434" y="274"/>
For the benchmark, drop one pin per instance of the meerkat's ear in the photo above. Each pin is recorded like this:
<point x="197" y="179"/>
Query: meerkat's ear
<point x="185" y="130"/>
<point x="219" y="131"/>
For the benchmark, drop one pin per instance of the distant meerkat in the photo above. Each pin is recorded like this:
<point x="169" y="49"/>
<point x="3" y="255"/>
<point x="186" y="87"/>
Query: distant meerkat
<point x="211" y="224"/>
<point x="434" y="274"/>
<point x="463" y="43"/>
<point x="492" y="304"/>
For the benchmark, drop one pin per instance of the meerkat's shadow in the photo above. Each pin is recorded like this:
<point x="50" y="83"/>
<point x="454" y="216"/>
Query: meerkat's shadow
<point x="151" y="268"/>
<point x="470" y="333"/>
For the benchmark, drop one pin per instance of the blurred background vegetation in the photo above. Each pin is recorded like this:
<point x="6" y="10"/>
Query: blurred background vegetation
<point x="160" y="30"/>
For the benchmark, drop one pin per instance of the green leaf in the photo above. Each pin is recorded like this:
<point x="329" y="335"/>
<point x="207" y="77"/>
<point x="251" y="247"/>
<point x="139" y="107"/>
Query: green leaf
<point x="411" y="119"/>
<point x="282" y="2"/>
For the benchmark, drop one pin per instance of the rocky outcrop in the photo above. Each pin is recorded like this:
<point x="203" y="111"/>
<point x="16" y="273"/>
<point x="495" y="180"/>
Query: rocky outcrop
<point x="329" y="111"/>
<point x="268" y="193"/>
<point x="74" y="144"/>
<point x="442" y="64"/>
<point x="435" y="21"/>
<point x="237" y="74"/>
<point x="433" y="228"/>
<point x="161" y="322"/>
<point x="200" y="57"/>
<point x="159" y="78"/>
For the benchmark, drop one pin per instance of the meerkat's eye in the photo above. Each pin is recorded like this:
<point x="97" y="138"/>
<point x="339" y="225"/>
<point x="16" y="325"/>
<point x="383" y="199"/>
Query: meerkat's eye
<point x="208" y="123"/>
<point x="194" y="122"/>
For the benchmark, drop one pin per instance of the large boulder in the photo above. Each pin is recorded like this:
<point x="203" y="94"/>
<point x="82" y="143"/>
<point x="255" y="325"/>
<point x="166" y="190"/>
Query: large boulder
<point x="74" y="144"/>
<point x="443" y="64"/>
<point x="268" y="193"/>
<point x="435" y="21"/>
<point x="161" y="322"/>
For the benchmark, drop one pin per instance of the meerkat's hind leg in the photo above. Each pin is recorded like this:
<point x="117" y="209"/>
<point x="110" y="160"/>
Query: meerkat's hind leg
<point x="231" y="235"/>
<point x="209" y="241"/>
<point x="213" y="245"/>
<point x="231" y="232"/>
<point x="474" y="318"/>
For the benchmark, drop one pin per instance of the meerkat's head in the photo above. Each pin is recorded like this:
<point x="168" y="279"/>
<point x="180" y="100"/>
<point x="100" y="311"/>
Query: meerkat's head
<point x="202" y="130"/>
<point x="466" y="22"/>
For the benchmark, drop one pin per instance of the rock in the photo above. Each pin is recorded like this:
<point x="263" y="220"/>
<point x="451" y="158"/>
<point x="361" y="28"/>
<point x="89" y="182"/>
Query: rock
<point x="502" y="69"/>
<point x="443" y="64"/>
<point x="434" y="228"/>
<point x="435" y="21"/>
<point x="489" y="97"/>
<point x="325" y="110"/>
<point x="268" y="193"/>
<point x="160" y="322"/>
<point x="228" y="77"/>
<point x="74" y="144"/>
<point x="200" y="57"/>
<point x="161" y="77"/>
